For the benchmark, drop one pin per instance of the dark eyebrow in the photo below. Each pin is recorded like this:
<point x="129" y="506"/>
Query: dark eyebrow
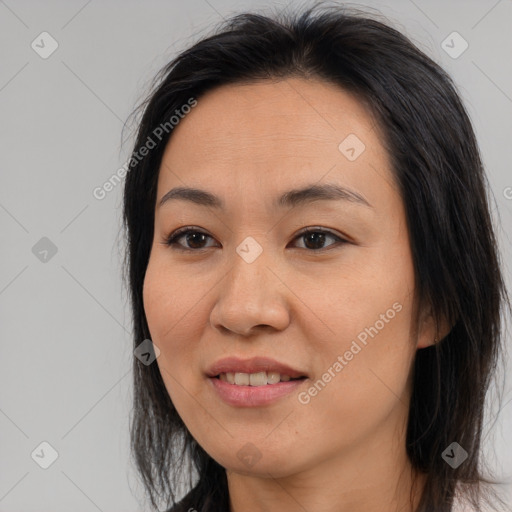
<point x="291" y="198"/>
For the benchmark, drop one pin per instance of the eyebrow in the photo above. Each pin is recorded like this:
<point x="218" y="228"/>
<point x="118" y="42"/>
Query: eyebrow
<point x="291" y="198"/>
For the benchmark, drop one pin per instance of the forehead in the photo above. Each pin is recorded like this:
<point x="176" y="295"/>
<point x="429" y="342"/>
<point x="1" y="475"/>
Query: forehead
<point x="273" y="133"/>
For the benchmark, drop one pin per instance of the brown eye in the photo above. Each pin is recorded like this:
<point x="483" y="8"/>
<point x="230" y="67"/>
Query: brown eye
<point x="314" y="238"/>
<point x="194" y="240"/>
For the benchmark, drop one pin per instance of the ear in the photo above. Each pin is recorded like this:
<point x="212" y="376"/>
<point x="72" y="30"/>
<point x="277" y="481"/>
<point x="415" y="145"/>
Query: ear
<point x="429" y="331"/>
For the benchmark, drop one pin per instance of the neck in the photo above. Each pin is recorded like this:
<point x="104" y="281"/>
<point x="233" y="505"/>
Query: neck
<point x="375" y="476"/>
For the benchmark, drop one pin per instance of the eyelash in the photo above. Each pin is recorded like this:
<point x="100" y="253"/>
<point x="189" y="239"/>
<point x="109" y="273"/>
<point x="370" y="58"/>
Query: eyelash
<point x="171" y="240"/>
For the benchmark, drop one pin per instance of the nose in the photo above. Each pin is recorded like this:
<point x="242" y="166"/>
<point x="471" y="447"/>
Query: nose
<point x="252" y="296"/>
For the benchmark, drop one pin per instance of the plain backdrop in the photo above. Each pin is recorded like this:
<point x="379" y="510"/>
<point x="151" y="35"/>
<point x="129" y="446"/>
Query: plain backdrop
<point x="66" y="348"/>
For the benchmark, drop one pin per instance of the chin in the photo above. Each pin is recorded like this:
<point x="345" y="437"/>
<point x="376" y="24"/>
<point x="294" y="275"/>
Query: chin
<point x="250" y="461"/>
<point x="261" y="469"/>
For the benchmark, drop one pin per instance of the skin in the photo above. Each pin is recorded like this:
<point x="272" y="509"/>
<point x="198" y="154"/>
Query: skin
<point x="299" y="303"/>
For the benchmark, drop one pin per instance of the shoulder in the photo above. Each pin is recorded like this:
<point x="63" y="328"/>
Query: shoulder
<point x="181" y="507"/>
<point x="192" y="502"/>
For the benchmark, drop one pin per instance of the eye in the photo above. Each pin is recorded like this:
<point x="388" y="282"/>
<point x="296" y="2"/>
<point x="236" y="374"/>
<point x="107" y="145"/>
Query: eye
<point x="317" y="236"/>
<point x="192" y="236"/>
<point x="314" y="238"/>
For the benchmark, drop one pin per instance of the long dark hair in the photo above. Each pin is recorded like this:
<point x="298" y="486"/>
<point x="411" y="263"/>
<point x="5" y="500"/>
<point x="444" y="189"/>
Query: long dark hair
<point x="436" y="161"/>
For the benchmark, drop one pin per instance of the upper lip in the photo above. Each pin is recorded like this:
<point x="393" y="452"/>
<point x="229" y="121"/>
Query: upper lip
<point x="253" y="365"/>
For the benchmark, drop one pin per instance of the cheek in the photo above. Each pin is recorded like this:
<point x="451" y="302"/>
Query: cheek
<point x="361" y="377"/>
<point x="156" y="297"/>
<point x="172" y="308"/>
<point x="367" y="307"/>
<point x="169" y="301"/>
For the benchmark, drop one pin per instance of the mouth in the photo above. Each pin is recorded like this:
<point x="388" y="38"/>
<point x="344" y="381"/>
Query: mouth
<point x="255" y="379"/>
<point x="255" y="382"/>
<point x="257" y="371"/>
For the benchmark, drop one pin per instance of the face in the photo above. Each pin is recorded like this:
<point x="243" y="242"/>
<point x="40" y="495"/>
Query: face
<point x="335" y="304"/>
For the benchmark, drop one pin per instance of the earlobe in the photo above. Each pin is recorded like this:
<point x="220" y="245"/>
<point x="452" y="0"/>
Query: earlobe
<point x="431" y="331"/>
<point x="425" y="344"/>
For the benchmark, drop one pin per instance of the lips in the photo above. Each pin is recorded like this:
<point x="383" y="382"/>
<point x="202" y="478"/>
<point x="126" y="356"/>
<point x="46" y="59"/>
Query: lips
<point x="253" y="365"/>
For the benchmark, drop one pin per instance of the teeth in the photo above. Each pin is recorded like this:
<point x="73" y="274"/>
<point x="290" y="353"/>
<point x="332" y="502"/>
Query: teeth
<point x="257" y="379"/>
<point x="273" y="377"/>
<point x="242" y="379"/>
<point x="253" y="379"/>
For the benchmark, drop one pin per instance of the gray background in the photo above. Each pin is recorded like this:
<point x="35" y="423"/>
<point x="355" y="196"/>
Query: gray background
<point x="65" y="366"/>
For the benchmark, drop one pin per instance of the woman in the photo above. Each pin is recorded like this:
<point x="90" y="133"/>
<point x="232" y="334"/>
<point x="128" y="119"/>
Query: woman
<point x="311" y="254"/>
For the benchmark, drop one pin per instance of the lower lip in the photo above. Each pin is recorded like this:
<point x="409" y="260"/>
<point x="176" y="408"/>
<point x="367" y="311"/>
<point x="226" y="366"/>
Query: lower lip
<point x="253" y="396"/>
